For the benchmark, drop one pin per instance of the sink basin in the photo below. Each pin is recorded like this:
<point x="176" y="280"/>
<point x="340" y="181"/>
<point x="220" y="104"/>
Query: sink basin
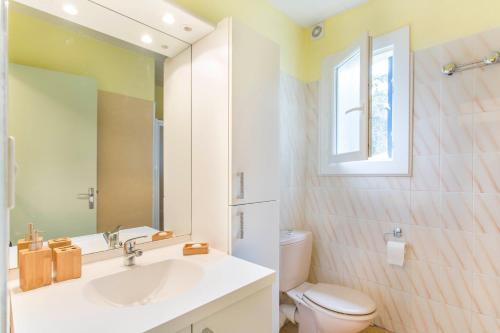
<point x="145" y="284"/>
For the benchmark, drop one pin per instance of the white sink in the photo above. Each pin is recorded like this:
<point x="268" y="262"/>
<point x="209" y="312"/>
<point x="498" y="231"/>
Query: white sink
<point x="145" y="284"/>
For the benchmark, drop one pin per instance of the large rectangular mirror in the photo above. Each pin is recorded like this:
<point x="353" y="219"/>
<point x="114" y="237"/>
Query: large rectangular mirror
<point x="86" y="110"/>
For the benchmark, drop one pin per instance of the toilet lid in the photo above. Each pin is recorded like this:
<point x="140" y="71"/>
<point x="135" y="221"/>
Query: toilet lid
<point x="340" y="299"/>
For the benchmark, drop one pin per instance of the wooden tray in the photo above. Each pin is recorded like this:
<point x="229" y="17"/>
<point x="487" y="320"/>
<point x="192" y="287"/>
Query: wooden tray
<point x="189" y="250"/>
<point x="162" y="235"/>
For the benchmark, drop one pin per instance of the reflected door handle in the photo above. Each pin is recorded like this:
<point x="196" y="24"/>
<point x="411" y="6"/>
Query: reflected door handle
<point x="90" y="196"/>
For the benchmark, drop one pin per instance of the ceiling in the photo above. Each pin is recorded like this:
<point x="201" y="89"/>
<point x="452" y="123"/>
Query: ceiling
<point x="309" y="12"/>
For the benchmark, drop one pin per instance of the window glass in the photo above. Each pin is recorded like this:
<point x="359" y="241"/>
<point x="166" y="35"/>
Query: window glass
<point x="382" y="104"/>
<point x="348" y="112"/>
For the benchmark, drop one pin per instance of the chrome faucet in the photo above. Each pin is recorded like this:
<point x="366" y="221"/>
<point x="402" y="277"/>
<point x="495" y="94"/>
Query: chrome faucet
<point x="130" y="252"/>
<point x="113" y="238"/>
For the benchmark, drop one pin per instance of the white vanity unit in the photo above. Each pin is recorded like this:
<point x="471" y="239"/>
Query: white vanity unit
<point x="164" y="292"/>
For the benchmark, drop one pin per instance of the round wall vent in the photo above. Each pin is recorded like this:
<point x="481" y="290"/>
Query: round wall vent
<point x="317" y="31"/>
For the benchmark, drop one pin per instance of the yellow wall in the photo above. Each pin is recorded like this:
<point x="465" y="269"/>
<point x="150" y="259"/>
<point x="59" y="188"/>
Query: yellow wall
<point x="431" y="22"/>
<point x="262" y="17"/>
<point x="40" y="43"/>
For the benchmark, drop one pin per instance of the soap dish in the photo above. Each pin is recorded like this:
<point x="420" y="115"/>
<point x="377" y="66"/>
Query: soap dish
<point x="162" y="235"/>
<point x="195" y="248"/>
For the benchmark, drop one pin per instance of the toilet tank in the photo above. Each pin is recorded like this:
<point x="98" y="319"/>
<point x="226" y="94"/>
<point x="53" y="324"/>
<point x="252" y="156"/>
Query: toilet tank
<point x="295" y="258"/>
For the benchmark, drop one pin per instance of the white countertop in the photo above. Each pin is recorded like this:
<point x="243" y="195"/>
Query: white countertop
<point x="63" y="307"/>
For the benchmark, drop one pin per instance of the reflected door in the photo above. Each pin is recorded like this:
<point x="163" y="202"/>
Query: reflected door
<point x="53" y="116"/>
<point x="125" y="161"/>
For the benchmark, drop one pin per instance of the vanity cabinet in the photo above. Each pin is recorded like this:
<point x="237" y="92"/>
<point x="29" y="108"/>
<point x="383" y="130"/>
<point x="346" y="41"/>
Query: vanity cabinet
<point x="235" y="145"/>
<point x="250" y="315"/>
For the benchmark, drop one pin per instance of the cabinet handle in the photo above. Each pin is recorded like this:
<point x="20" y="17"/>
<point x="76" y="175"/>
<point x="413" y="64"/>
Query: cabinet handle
<point x="207" y="330"/>
<point x="241" y="195"/>
<point x="242" y="225"/>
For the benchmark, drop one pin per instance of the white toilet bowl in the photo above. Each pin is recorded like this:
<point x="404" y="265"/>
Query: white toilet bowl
<point x="322" y="307"/>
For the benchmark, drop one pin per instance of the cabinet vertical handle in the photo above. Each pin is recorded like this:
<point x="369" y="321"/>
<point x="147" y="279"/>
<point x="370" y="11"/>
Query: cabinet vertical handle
<point x="242" y="225"/>
<point x="241" y="195"/>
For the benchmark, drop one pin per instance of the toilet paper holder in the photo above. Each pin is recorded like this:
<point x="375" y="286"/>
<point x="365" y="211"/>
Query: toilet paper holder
<point x="397" y="232"/>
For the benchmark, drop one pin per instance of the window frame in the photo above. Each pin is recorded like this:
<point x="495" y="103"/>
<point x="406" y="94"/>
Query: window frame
<point x="329" y="87"/>
<point x="400" y="164"/>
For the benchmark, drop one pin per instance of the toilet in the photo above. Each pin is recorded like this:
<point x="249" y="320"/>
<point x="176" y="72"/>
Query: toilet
<point x="322" y="307"/>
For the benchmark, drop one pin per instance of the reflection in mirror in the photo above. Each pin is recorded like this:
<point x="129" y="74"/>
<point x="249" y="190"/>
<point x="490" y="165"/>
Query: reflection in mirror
<point x="86" y="111"/>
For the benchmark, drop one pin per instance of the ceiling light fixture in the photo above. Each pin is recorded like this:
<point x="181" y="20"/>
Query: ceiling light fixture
<point x="168" y="18"/>
<point x="70" y="9"/>
<point x="146" y="39"/>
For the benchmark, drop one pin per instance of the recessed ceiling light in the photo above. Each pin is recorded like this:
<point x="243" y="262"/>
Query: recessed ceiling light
<point x="146" y="39"/>
<point x="70" y="9"/>
<point x="168" y="19"/>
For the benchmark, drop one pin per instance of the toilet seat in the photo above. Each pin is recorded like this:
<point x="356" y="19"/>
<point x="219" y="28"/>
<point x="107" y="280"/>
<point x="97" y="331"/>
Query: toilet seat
<point x="342" y="301"/>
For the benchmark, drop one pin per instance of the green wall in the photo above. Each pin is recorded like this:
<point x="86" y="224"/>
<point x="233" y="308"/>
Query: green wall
<point x="41" y="43"/>
<point x="53" y="117"/>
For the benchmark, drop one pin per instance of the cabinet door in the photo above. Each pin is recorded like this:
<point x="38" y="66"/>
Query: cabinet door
<point x="251" y="315"/>
<point x="254" y="130"/>
<point x="255" y="233"/>
<point x="255" y="238"/>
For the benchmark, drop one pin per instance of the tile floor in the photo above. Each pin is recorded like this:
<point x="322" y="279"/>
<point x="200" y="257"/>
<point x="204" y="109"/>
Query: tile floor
<point x="289" y="328"/>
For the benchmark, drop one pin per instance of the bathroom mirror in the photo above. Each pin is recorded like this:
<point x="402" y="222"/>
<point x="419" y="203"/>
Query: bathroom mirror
<point x="86" y="113"/>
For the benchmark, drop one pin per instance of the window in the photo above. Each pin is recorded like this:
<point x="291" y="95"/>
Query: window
<point x="365" y="108"/>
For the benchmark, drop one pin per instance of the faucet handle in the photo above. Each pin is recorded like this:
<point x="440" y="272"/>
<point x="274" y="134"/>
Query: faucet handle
<point x="116" y="229"/>
<point x="129" y="244"/>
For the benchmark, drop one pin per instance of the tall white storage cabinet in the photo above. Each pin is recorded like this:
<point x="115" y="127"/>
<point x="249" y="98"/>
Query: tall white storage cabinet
<point x="235" y="82"/>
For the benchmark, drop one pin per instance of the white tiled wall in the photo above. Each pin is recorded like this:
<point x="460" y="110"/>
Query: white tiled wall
<point x="449" y="209"/>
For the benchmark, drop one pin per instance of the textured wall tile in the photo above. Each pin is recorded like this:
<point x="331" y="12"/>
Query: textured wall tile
<point x="457" y="249"/>
<point x="457" y="211"/>
<point x="486" y="133"/>
<point x="426" y="100"/>
<point x="426" y="136"/>
<point x="452" y="319"/>
<point x="424" y="244"/>
<point x="488" y="89"/>
<point x="456" y="287"/>
<point x="486" y="174"/>
<point x="426" y="173"/>
<point x="456" y="173"/>
<point x="485" y="324"/>
<point x="457" y="93"/>
<point x="456" y="134"/>
<point x="425" y="279"/>
<point x="485" y="295"/>
<point x="487" y="213"/>
<point x="487" y="254"/>
<point x="426" y="209"/>
<point x="424" y="315"/>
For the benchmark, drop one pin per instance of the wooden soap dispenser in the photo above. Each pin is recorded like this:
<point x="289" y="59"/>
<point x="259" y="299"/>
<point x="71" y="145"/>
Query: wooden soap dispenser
<point x="35" y="264"/>
<point x="25" y="242"/>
